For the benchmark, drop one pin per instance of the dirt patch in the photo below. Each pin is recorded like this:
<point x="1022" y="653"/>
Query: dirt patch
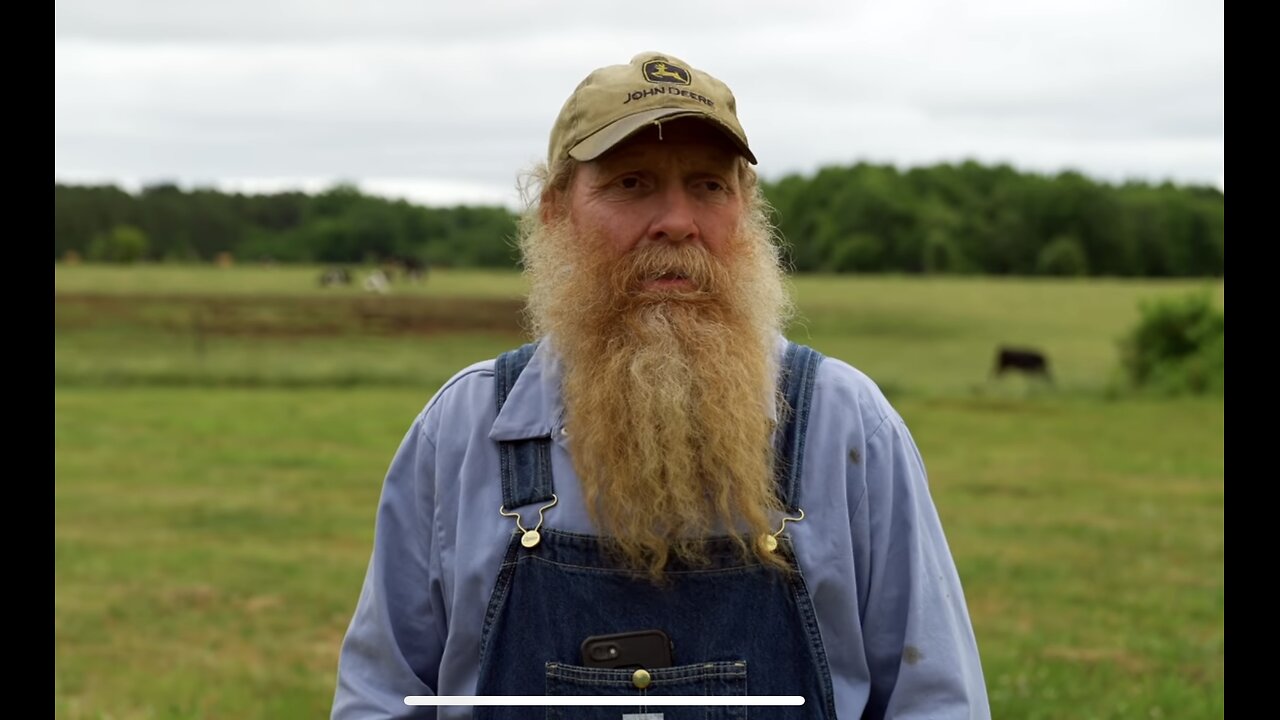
<point x="285" y="316"/>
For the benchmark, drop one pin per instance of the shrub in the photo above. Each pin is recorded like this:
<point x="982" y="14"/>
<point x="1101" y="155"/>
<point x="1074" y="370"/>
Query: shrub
<point x="1177" y="347"/>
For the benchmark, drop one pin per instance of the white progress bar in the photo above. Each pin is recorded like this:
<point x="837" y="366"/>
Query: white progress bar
<point x="618" y="700"/>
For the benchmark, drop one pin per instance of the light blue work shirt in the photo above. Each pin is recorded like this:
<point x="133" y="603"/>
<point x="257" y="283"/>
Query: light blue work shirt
<point x="871" y="549"/>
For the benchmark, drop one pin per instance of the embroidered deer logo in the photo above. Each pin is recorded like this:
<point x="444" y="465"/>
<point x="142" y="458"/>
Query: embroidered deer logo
<point x="661" y="72"/>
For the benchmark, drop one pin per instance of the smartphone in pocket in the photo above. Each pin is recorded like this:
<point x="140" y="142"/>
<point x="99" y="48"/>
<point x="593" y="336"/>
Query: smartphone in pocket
<point x="637" y="649"/>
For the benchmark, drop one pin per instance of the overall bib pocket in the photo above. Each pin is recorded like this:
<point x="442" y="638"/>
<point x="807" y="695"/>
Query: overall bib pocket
<point x="727" y="678"/>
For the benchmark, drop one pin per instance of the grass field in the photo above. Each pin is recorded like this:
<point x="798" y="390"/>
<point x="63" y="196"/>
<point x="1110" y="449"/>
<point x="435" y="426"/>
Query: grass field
<point x="221" y="435"/>
<point x="275" y="326"/>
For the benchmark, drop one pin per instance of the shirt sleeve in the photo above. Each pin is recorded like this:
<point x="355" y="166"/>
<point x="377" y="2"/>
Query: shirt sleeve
<point x="921" y="651"/>
<point x="395" y="640"/>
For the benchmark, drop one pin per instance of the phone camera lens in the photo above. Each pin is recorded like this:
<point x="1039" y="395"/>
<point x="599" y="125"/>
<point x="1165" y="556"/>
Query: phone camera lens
<point x="604" y="652"/>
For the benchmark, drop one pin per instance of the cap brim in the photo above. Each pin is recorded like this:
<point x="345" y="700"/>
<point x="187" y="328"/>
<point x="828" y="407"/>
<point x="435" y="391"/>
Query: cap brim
<point x="599" y="142"/>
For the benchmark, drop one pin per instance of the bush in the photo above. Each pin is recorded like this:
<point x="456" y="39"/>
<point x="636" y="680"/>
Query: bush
<point x="1178" y="347"/>
<point x="1063" y="256"/>
<point x="124" y="244"/>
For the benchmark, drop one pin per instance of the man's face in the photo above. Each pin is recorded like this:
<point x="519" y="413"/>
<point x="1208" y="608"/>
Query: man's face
<point x="682" y="188"/>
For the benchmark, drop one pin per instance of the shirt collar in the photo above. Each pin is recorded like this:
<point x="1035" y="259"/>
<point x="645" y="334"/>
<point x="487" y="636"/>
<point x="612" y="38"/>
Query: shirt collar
<point x="534" y="407"/>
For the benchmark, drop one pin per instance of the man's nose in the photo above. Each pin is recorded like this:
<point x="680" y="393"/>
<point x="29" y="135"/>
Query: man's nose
<point x="675" y="219"/>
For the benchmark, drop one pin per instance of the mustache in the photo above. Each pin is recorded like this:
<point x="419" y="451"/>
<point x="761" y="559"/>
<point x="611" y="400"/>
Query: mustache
<point x="688" y="261"/>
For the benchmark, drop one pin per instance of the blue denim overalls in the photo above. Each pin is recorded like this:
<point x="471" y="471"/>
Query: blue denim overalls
<point x="737" y="626"/>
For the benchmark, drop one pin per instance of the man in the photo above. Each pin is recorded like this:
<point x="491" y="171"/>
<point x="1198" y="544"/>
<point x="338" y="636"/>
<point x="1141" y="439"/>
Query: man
<point x="662" y="463"/>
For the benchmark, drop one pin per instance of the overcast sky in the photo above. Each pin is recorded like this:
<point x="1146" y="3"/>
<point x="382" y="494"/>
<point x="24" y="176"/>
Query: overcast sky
<point x="446" y="102"/>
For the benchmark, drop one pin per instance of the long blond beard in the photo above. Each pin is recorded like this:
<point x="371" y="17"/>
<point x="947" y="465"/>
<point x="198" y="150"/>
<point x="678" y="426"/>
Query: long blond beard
<point x="667" y="393"/>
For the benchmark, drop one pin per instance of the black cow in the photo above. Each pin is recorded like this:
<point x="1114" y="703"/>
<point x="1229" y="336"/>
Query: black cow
<point x="1025" y="360"/>
<point x="415" y="268"/>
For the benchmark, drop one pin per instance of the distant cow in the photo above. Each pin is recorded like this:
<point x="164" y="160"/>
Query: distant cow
<point x="1025" y="360"/>
<point x="411" y="267"/>
<point x="378" y="282"/>
<point x="335" y="276"/>
<point x="415" y="268"/>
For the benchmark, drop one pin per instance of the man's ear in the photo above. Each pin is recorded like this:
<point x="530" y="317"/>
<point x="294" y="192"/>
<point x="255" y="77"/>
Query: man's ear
<point x="550" y="207"/>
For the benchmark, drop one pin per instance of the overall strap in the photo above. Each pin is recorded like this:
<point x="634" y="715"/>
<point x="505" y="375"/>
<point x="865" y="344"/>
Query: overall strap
<point x="525" y="464"/>
<point x="795" y="383"/>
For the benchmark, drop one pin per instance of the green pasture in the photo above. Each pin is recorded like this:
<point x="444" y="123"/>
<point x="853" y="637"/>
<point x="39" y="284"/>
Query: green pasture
<point x="220" y="437"/>
<point x="275" y="326"/>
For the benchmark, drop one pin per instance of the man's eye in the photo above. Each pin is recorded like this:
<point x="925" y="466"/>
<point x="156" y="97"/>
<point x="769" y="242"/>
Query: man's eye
<point x="714" y="186"/>
<point x="630" y="182"/>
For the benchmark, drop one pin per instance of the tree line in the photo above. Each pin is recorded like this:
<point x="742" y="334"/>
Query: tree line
<point x="946" y="218"/>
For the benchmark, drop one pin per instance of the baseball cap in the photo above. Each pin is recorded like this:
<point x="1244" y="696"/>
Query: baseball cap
<point x="615" y="102"/>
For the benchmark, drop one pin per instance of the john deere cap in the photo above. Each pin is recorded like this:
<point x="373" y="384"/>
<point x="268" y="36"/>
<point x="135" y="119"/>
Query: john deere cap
<point x="615" y="102"/>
